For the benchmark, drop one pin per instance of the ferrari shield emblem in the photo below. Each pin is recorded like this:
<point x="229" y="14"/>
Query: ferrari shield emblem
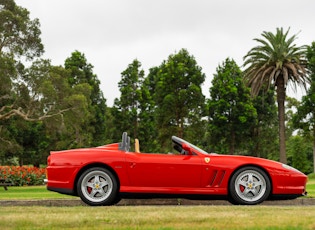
<point x="207" y="159"/>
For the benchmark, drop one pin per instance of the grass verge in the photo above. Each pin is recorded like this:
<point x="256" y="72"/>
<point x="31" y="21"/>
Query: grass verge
<point x="158" y="217"/>
<point x="310" y="186"/>
<point x="30" y="193"/>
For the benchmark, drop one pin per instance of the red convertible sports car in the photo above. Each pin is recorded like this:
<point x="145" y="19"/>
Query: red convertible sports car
<point x="105" y="174"/>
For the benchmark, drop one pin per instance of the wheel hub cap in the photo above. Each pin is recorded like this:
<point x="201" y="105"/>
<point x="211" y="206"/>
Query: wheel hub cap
<point x="250" y="186"/>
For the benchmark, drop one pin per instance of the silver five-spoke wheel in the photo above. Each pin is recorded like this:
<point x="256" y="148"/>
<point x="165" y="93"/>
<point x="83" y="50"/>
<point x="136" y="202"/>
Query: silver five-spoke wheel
<point x="97" y="186"/>
<point x="249" y="185"/>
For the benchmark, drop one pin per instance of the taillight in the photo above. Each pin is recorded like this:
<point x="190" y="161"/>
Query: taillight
<point x="48" y="160"/>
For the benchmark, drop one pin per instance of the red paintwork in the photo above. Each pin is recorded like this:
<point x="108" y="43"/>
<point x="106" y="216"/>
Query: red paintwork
<point x="166" y="173"/>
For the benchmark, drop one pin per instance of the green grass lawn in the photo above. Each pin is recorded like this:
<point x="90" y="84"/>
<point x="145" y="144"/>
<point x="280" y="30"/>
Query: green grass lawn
<point x="149" y="217"/>
<point x="158" y="217"/>
<point x="30" y="192"/>
<point x="310" y="186"/>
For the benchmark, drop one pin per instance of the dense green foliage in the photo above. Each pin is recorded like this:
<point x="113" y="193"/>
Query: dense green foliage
<point x="45" y="107"/>
<point x="127" y="108"/>
<point x="81" y="75"/>
<point x="231" y="110"/>
<point x="304" y="119"/>
<point x="264" y="141"/>
<point x="179" y="102"/>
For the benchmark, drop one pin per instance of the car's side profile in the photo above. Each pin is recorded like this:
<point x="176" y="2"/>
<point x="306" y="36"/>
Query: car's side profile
<point x="105" y="174"/>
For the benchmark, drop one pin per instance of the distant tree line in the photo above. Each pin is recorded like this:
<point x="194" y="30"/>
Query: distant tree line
<point x="45" y="107"/>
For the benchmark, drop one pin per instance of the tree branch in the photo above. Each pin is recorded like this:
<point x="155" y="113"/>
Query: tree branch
<point x="27" y="116"/>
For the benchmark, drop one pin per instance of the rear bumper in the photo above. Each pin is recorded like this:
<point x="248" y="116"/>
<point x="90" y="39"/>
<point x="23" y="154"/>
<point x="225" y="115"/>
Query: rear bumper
<point x="59" y="187"/>
<point x="61" y="190"/>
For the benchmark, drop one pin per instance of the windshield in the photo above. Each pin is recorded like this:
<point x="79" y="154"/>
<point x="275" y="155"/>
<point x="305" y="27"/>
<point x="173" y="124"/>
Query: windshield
<point x="197" y="148"/>
<point x="179" y="140"/>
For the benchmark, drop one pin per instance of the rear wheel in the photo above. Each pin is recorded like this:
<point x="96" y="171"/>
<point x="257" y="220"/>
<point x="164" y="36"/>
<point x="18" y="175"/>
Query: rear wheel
<point x="249" y="186"/>
<point x="97" y="186"/>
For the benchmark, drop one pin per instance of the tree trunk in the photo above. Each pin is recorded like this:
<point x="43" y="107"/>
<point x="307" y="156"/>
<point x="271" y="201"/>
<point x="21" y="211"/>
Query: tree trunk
<point x="281" y="115"/>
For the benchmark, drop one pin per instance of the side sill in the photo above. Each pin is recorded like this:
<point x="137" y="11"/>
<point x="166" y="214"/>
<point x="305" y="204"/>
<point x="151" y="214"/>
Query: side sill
<point x="127" y="195"/>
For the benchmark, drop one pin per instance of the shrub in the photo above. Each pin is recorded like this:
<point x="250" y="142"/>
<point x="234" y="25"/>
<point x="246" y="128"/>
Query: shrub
<point x="23" y="175"/>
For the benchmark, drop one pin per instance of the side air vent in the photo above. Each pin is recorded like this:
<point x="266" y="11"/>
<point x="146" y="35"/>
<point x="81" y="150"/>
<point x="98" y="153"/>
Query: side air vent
<point x="217" y="178"/>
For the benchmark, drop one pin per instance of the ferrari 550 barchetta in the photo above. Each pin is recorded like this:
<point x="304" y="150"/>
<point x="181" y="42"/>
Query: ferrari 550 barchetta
<point x="105" y="174"/>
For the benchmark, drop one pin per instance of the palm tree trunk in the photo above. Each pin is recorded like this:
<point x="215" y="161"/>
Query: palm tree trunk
<point x="281" y="116"/>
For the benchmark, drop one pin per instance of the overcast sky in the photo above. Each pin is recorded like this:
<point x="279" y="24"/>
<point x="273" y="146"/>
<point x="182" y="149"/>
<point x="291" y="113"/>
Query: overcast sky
<point x="112" y="34"/>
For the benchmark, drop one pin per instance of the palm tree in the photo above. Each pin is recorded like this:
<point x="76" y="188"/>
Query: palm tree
<point x="276" y="61"/>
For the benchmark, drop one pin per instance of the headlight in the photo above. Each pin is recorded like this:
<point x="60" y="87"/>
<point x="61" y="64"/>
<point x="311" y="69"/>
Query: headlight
<point x="290" y="168"/>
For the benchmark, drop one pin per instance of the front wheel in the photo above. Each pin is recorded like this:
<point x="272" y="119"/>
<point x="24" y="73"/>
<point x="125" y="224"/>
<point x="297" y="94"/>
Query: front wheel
<point x="97" y="186"/>
<point x="249" y="186"/>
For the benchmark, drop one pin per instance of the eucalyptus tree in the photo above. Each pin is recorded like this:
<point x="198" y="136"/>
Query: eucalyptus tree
<point x="20" y="43"/>
<point x="19" y="38"/>
<point x="277" y="61"/>
<point x="35" y="97"/>
<point x="19" y="35"/>
<point x="67" y="130"/>
<point x="231" y="111"/>
<point x="57" y="110"/>
<point x="81" y="72"/>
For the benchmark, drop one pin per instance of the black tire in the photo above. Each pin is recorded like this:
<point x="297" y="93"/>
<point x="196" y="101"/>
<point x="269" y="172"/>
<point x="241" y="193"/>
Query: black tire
<point x="249" y="186"/>
<point x="97" y="186"/>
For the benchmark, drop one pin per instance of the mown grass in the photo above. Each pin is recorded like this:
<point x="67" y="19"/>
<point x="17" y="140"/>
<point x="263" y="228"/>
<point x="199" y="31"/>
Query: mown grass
<point x="150" y="217"/>
<point x="30" y="193"/>
<point x="310" y="186"/>
<point x="158" y="217"/>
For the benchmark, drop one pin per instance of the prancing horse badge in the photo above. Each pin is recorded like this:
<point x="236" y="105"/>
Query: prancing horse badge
<point x="207" y="159"/>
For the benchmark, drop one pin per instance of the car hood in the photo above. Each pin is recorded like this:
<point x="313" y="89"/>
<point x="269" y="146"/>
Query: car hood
<point x="265" y="163"/>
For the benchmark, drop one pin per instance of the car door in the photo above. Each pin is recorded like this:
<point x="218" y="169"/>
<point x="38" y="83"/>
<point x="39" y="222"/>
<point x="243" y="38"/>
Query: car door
<point x="163" y="170"/>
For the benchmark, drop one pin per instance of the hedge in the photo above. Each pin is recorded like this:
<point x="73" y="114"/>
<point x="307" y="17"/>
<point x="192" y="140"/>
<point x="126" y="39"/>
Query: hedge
<point x="23" y="175"/>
